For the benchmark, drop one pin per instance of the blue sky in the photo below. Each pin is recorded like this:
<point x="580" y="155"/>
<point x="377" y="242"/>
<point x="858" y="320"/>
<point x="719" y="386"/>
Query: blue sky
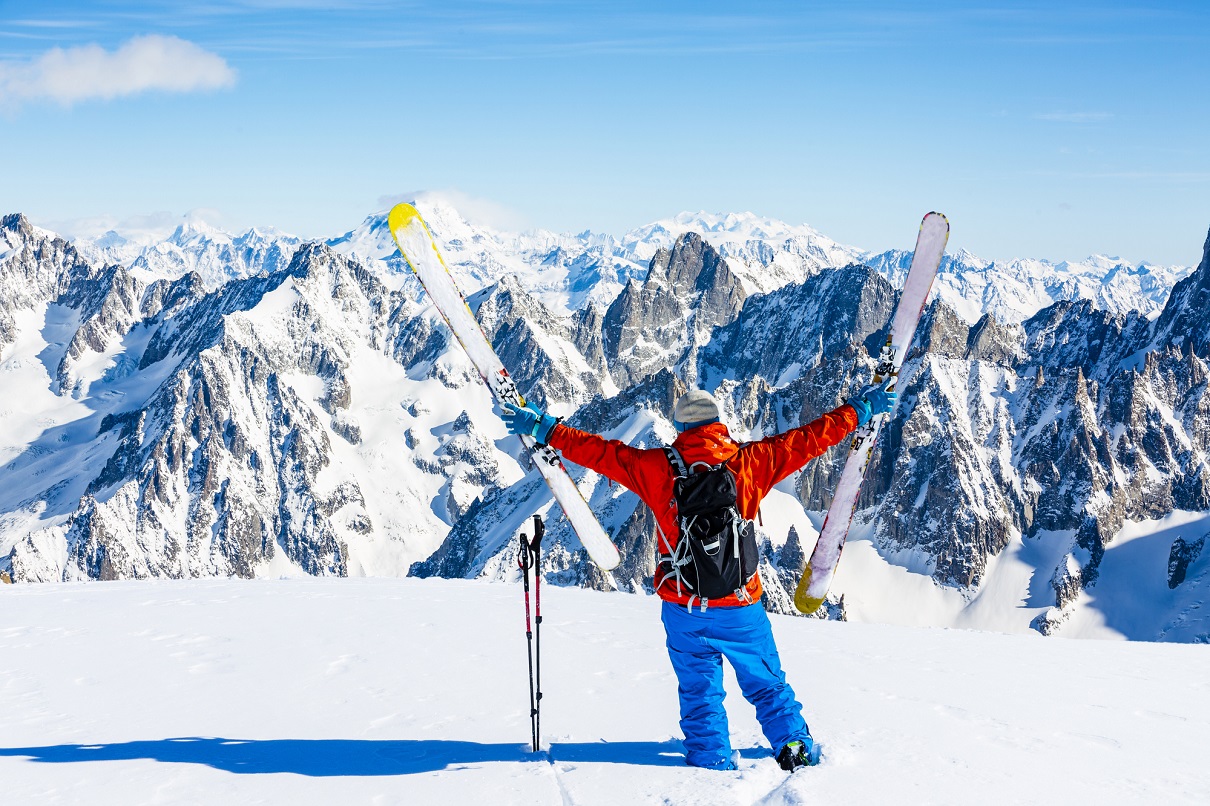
<point x="1042" y="129"/>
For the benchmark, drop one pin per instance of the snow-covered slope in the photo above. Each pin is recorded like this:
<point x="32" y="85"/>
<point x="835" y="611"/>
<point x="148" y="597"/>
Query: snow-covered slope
<point x="414" y="691"/>
<point x="271" y="425"/>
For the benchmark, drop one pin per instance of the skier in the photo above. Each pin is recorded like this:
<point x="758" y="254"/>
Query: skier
<point x="709" y="486"/>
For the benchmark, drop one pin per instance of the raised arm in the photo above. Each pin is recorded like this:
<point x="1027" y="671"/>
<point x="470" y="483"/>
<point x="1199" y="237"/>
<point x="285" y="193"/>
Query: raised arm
<point x="774" y="458"/>
<point x="771" y="460"/>
<point x="609" y="457"/>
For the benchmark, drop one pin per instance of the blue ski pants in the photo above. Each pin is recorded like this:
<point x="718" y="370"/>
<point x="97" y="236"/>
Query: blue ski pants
<point x="697" y="643"/>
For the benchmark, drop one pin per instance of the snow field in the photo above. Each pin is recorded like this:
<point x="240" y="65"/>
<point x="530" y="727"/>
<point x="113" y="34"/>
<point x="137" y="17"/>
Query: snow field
<point x="413" y="691"/>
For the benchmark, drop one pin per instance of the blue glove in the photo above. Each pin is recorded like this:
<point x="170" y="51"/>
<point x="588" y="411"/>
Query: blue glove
<point x="530" y="421"/>
<point x="874" y="400"/>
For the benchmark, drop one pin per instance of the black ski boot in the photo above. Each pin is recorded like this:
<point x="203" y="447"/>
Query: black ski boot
<point x="796" y="755"/>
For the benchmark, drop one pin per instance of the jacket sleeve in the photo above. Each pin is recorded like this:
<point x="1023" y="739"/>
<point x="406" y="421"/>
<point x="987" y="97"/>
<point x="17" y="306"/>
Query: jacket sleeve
<point x="609" y="457"/>
<point x="774" y="458"/>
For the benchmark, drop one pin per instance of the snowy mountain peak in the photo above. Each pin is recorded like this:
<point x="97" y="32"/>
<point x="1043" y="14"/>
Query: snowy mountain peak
<point x="111" y="239"/>
<point x="17" y="230"/>
<point x="720" y="228"/>
<point x="746" y="223"/>
<point x="194" y="229"/>
<point x="964" y="259"/>
<point x="16" y="223"/>
<point x="1105" y="262"/>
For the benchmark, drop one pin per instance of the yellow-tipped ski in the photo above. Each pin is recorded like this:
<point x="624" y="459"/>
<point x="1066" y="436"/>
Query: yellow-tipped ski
<point x="821" y="567"/>
<point x="400" y="215"/>
<point x="419" y="249"/>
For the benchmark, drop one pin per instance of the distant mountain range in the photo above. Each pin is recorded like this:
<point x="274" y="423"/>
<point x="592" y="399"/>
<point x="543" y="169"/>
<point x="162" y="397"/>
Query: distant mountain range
<point x="254" y="405"/>
<point x="571" y="271"/>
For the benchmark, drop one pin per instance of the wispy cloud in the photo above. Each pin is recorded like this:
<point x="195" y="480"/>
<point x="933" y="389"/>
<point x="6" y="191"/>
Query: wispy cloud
<point x="475" y="209"/>
<point x="141" y="64"/>
<point x="1172" y="177"/>
<point x="137" y="228"/>
<point x="50" y="23"/>
<point x="1074" y="117"/>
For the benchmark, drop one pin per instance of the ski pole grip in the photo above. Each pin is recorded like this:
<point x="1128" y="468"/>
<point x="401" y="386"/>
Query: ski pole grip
<point x="523" y="559"/>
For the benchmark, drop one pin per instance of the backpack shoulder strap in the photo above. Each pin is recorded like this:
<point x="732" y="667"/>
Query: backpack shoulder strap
<point x="674" y="459"/>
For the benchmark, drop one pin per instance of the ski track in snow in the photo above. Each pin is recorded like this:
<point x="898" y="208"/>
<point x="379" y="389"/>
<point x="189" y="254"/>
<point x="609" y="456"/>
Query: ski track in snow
<point x="320" y="691"/>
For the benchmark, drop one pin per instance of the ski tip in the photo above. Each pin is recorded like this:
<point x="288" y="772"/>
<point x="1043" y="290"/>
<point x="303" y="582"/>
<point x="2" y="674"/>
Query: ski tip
<point x="401" y="215"/>
<point x="807" y="604"/>
<point x="937" y="217"/>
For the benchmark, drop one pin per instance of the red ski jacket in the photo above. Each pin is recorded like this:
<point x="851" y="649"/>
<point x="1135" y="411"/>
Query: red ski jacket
<point x="757" y="467"/>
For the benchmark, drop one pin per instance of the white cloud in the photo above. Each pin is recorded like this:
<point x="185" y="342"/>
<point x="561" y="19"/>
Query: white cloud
<point x="88" y="72"/>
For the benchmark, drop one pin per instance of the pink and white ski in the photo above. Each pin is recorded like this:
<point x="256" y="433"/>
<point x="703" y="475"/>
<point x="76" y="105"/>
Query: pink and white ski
<point x="817" y="578"/>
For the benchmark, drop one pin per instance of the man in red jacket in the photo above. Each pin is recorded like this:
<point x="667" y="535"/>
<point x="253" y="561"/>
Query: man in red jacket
<point x="702" y="630"/>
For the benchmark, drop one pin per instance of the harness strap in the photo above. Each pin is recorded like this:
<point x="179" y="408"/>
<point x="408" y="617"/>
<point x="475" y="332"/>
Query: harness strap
<point x="674" y="459"/>
<point x="736" y="520"/>
<point x="679" y="556"/>
<point x="676" y="559"/>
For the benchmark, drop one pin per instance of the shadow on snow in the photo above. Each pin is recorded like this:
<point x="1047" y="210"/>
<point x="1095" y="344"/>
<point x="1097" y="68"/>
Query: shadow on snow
<point x="323" y="758"/>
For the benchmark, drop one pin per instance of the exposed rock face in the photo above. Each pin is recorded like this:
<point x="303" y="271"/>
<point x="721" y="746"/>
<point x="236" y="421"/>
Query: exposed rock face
<point x="549" y="369"/>
<point x="1074" y="422"/>
<point x="220" y="469"/>
<point x="779" y="335"/>
<point x="1185" y="320"/>
<point x="1180" y="557"/>
<point x="689" y="290"/>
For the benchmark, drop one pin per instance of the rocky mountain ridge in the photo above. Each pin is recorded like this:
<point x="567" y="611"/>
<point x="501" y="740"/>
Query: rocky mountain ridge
<point x="317" y="417"/>
<point x="1069" y="424"/>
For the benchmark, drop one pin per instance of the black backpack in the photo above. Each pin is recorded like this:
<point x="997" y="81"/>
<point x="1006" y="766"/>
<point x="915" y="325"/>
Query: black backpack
<point x="716" y="555"/>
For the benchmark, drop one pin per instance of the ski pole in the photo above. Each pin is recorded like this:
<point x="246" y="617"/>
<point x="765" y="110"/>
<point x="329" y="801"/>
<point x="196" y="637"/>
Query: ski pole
<point x="524" y="562"/>
<point x="535" y="549"/>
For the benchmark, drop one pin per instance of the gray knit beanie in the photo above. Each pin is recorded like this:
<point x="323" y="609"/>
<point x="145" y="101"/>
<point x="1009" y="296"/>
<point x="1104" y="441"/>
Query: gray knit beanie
<point x="694" y="408"/>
